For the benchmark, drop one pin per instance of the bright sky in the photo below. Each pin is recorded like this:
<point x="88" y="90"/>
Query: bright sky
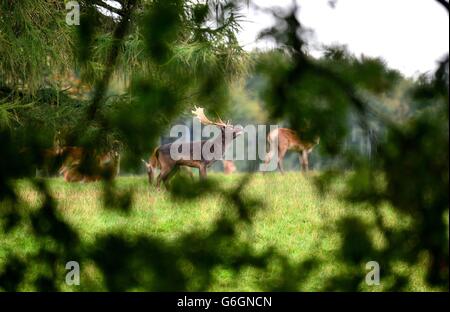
<point x="411" y="35"/>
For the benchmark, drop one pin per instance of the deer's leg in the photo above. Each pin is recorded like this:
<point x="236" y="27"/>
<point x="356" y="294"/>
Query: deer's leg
<point x="158" y="180"/>
<point x="163" y="175"/>
<point x="202" y="172"/>
<point x="270" y="154"/>
<point x="268" y="158"/>
<point x="169" y="175"/>
<point x="280" y="160"/>
<point x="305" y="162"/>
<point x="280" y="165"/>
<point x="166" y="168"/>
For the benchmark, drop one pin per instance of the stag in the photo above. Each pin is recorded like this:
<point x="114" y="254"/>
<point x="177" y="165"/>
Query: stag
<point x="288" y="139"/>
<point x="168" y="164"/>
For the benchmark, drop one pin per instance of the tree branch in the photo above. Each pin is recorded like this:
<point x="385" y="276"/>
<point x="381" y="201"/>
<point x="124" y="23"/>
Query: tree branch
<point x="108" y="7"/>
<point x="118" y="36"/>
<point x="444" y="3"/>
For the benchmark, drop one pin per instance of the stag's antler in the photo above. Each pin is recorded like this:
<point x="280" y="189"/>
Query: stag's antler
<point x="221" y="122"/>
<point x="198" y="112"/>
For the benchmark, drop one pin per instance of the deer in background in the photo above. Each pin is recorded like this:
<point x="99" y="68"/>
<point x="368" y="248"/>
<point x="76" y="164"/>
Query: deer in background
<point x="100" y="165"/>
<point x="162" y="158"/>
<point x="228" y="166"/>
<point x="289" y="140"/>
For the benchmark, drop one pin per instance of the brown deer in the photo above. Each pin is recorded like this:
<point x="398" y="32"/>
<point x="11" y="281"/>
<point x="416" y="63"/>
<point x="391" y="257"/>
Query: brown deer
<point x="163" y="159"/>
<point x="288" y="140"/>
<point x="50" y="160"/>
<point x="98" y="166"/>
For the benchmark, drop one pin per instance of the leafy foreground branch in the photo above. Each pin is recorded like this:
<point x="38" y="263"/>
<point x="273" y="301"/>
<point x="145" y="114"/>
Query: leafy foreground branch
<point x="409" y="171"/>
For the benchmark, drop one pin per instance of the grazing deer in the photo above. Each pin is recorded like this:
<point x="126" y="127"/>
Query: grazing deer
<point x="168" y="164"/>
<point x="288" y="140"/>
<point x="100" y="166"/>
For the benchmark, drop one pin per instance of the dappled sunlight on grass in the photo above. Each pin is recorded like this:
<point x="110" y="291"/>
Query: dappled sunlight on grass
<point x="295" y="220"/>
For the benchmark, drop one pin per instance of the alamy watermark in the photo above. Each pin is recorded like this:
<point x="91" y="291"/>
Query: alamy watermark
<point x="373" y="276"/>
<point x="73" y="276"/>
<point x="73" y="14"/>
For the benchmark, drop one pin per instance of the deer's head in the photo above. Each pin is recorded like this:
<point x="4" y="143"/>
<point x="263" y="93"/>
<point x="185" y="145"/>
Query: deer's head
<point x="227" y="127"/>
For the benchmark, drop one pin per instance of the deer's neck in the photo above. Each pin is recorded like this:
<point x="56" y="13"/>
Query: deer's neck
<point x="225" y="140"/>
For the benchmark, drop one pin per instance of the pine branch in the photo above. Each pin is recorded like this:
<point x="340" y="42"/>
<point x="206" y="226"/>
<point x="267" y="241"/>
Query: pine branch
<point x="118" y="36"/>
<point x="444" y="3"/>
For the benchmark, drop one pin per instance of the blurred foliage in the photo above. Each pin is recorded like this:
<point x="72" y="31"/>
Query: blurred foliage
<point x="410" y="169"/>
<point x="170" y="55"/>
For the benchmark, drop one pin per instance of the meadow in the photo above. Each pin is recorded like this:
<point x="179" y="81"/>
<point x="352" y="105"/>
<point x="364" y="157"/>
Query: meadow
<point x="294" y="220"/>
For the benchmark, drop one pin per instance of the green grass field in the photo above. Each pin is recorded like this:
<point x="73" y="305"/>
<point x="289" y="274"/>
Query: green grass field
<point x="295" y="221"/>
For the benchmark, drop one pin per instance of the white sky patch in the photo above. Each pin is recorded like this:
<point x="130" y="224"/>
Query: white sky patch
<point x="106" y="12"/>
<point x="410" y="35"/>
